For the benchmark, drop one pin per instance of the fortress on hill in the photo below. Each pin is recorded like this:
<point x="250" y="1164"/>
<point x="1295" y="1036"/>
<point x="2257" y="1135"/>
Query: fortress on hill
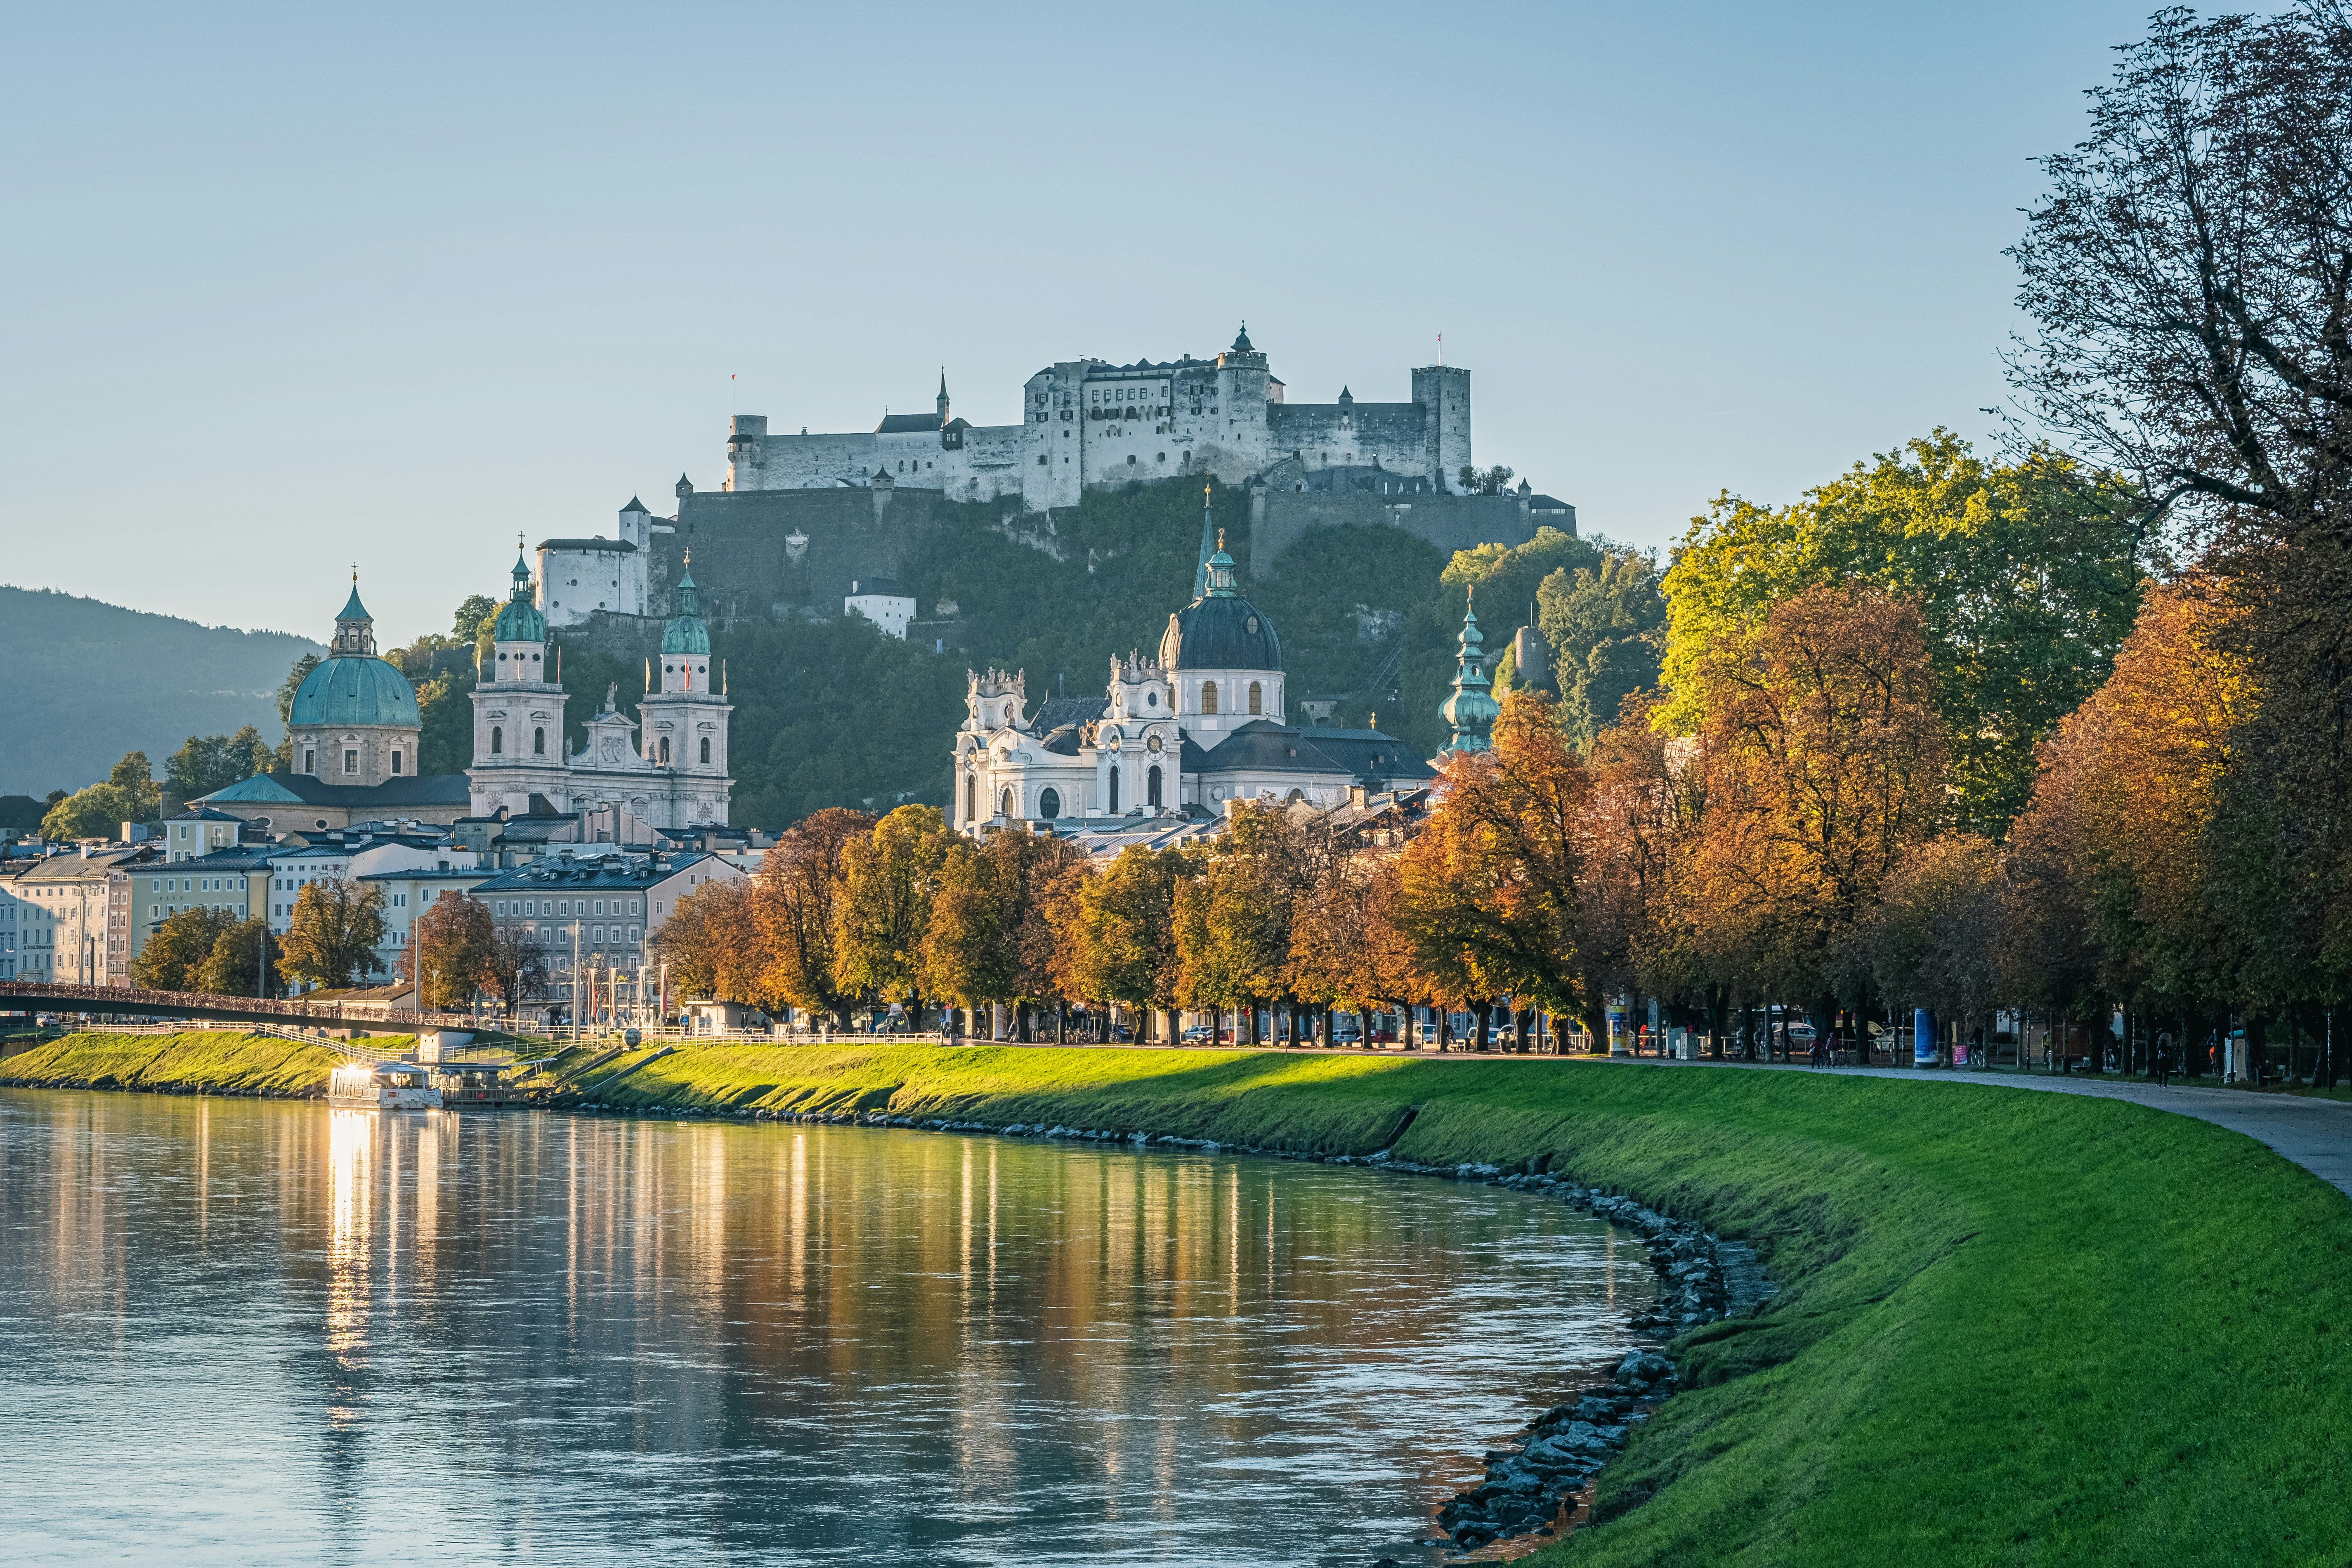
<point x="803" y="522"/>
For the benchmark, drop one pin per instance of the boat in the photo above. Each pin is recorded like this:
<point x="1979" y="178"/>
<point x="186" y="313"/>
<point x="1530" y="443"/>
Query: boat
<point x="383" y="1086"/>
<point x="476" y="1086"/>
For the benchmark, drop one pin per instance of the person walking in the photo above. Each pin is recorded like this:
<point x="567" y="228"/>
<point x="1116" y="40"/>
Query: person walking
<point x="2163" y="1060"/>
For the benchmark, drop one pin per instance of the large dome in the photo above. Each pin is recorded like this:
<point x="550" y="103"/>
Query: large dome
<point x="355" y="690"/>
<point x="1221" y="632"/>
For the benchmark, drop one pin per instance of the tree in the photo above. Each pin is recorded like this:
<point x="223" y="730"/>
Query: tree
<point x="1485" y="481"/>
<point x="968" y="954"/>
<point x="2023" y="573"/>
<point x="207" y="762"/>
<point x="1234" y="917"/>
<point x="889" y="881"/>
<point x="1491" y="893"/>
<point x="336" y="928"/>
<point x="173" y="956"/>
<point x="239" y="962"/>
<point x="287" y="688"/>
<point x="1117" y="936"/>
<point x="519" y="965"/>
<point x="1932" y="938"/>
<point x="711" y="943"/>
<point x="455" y="944"/>
<point x="97" y="812"/>
<point x="1606" y="625"/>
<point x="1824" y="765"/>
<point x="795" y="905"/>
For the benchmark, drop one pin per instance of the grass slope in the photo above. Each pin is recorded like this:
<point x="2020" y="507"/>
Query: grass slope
<point x="201" y="1058"/>
<point x="2013" y="1327"/>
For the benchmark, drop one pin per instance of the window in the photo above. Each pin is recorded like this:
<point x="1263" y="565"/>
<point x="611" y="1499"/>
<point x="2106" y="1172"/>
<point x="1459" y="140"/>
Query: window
<point x="1114" y="789"/>
<point x="1049" y="805"/>
<point x="1008" y="803"/>
<point x="633" y="936"/>
<point x="705" y="749"/>
<point x="395" y="759"/>
<point x="971" y="797"/>
<point x="497" y="740"/>
<point x="539" y="742"/>
<point x="1208" y="696"/>
<point x="1258" y="697"/>
<point x="665" y="750"/>
<point x="350" y="761"/>
<point x="1152" y="785"/>
<point x="310" y="761"/>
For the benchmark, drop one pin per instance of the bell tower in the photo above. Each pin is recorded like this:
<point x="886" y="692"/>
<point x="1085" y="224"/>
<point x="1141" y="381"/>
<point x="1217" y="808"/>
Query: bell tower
<point x="519" y="711"/>
<point x="683" y="727"/>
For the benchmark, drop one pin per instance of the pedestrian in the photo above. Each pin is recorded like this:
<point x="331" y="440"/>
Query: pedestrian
<point x="2163" y="1060"/>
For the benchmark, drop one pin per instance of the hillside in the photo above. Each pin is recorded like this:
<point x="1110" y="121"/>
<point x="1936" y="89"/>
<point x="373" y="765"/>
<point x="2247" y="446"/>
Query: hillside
<point x="88" y="682"/>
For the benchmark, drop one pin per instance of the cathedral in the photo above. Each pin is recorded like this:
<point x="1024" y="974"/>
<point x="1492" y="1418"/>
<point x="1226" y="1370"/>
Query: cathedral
<point x="1183" y="733"/>
<point x="667" y="767"/>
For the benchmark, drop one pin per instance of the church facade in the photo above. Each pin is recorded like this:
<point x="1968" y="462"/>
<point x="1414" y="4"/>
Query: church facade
<point x="668" y="767"/>
<point x="1201" y="722"/>
<point x="1089" y="423"/>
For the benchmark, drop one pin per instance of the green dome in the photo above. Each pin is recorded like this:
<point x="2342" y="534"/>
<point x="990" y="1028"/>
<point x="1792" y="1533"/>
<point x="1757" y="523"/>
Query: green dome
<point x="355" y="690"/>
<point x="518" y="619"/>
<point x="685" y="633"/>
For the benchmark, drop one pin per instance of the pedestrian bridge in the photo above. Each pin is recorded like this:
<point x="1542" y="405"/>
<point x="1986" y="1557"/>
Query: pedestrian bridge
<point x="33" y="997"/>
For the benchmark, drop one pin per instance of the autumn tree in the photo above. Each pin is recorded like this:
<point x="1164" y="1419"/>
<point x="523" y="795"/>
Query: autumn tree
<point x="175" y="954"/>
<point x="795" y="905"/>
<point x="889" y="878"/>
<point x="1824" y="760"/>
<point x="243" y="961"/>
<point x="336" y="928"/>
<point x="518" y="964"/>
<point x="454" y="943"/>
<point x="1491" y="893"/>
<point x="1116" y="937"/>
<point x="711" y="943"/>
<point x="1644" y="821"/>
<point x="1932" y="938"/>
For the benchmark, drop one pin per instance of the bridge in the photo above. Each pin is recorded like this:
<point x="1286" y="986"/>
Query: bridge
<point x="34" y="996"/>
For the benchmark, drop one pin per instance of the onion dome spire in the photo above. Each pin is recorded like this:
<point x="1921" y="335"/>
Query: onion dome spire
<point x="1471" y="711"/>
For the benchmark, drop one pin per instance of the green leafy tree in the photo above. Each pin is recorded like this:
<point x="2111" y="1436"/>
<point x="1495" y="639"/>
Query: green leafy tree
<point x="968" y="954"/>
<point x="1606" y="624"/>
<point x="205" y="763"/>
<point x="175" y="954"/>
<point x="336" y="928"/>
<point x="2023" y="572"/>
<point x="1118" y="935"/>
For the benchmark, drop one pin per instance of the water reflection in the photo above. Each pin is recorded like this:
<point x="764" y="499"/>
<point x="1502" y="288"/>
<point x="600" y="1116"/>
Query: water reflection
<point x="345" y="1336"/>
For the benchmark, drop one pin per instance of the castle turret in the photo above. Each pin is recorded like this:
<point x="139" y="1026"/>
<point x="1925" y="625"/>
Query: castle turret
<point x="1471" y="710"/>
<point x="943" y="398"/>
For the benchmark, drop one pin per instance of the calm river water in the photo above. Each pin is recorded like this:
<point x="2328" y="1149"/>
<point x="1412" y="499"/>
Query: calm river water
<point x="242" y="1332"/>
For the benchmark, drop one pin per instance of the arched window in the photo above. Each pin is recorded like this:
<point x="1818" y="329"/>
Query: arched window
<point x="1049" y="805"/>
<point x="971" y="798"/>
<point x="539" y="742"/>
<point x="1008" y="803"/>
<point x="1208" y="696"/>
<point x="497" y="743"/>
<point x="705" y="749"/>
<point x="1151" y="785"/>
<point x="1258" y="697"/>
<point x="665" y="750"/>
<point x="1114" y="789"/>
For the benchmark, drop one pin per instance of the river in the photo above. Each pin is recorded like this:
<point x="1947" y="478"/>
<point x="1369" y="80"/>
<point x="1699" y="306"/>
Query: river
<point x="239" y="1332"/>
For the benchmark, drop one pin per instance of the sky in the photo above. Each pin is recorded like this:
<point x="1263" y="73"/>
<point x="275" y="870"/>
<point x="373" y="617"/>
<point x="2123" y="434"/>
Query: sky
<point x="290" y="289"/>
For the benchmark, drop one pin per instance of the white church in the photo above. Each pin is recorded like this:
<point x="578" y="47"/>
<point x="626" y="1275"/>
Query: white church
<point x="1181" y="734"/>
<point x="667" y="767"/>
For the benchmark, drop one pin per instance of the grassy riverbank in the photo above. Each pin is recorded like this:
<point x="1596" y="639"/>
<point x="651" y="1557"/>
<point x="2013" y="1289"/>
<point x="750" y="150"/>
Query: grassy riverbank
<point x="217" y="1060"/>
<point x="2013" y="1328"/>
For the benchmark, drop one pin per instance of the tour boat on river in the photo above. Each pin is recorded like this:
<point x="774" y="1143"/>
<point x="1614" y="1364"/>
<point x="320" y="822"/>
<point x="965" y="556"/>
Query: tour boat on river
<point x="383" y="1086"/>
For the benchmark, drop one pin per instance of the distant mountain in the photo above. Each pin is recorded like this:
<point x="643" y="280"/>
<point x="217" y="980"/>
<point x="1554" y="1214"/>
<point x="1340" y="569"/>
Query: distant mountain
<point x="87" y="682"/>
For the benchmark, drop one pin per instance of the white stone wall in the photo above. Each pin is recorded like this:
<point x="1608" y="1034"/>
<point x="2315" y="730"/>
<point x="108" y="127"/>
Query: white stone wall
<point x="575" y="584"/>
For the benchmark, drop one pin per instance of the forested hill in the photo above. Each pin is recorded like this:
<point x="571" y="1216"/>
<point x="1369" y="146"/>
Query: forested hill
<point x="88" y="682"/>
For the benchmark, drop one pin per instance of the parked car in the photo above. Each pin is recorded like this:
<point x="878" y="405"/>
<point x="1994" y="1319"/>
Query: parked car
<point x="1200" y="1034"/>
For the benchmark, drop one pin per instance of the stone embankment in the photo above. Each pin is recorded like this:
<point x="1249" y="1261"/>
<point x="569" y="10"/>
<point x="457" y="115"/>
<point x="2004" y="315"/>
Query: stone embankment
<point x="1536" y="1488"/>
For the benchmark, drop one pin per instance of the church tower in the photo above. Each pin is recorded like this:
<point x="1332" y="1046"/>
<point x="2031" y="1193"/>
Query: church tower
<point x="683" y="727"/>
<point x="1472" y="710"/>
<point x="519" y="713"/>
<point x="354" y="718"/>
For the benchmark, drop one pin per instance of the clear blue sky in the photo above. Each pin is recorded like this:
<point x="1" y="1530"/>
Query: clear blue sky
<point x="289" y="288"/>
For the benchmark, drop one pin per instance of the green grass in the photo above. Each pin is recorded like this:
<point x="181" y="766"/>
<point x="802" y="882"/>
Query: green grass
<point x="201" y="1058"/>
<point x="2013" y="1327"/>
